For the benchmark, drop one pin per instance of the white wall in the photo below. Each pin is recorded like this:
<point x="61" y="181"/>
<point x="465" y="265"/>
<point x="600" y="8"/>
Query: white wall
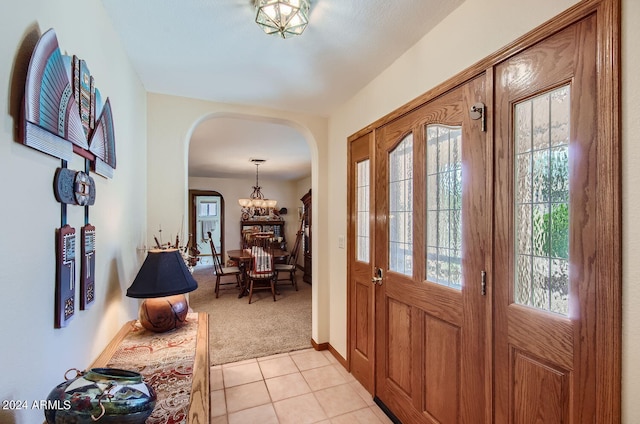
<point x="473" y="31"/>
<point x="232" y="189"/>
<point x="33" y="355"/>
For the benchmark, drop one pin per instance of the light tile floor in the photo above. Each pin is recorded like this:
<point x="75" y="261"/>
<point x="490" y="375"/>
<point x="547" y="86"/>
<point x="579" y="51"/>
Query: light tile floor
<point x="305" y="386"/>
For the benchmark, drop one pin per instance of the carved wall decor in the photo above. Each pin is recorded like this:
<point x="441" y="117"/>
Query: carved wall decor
<point x="64" y="114"/>
<point x="65" y="275"/>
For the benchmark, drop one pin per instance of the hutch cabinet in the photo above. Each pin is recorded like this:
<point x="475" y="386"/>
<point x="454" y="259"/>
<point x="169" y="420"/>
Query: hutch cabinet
<point x="306" y="228"/>
<point x="260" y="225"/>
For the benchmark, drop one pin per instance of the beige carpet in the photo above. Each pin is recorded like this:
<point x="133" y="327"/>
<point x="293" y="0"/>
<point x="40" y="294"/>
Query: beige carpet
<point x="240" y="331"/>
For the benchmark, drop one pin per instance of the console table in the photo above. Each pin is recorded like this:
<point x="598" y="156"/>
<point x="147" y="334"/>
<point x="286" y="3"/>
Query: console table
<point x="175" y="364"/>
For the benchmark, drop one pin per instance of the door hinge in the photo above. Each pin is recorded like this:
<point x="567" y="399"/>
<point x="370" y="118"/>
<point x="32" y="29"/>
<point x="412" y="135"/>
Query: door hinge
<point x="483" y="283"/>
<point x="479" y="111"/>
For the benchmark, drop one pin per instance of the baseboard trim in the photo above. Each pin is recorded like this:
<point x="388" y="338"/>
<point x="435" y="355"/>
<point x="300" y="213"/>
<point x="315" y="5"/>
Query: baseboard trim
<point x="319" y="346"/>
<point x="338" y="357"/>
<point x="327" y="346"/>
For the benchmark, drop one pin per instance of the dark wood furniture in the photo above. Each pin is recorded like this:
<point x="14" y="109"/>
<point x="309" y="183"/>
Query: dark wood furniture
<point x="289" y="268"/>
<point x="261" y="274"/>
<point x="306" y="227"/>
<point x="222" y="271"/>
<point x="264" y="226"/>
<point x="244" y="258"/>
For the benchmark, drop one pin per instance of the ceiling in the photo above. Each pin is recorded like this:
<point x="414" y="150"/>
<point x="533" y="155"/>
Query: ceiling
<point x="213" y="50"/>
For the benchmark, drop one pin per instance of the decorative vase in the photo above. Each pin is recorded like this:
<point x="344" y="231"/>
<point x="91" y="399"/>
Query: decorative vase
<point x="105" y="395"/>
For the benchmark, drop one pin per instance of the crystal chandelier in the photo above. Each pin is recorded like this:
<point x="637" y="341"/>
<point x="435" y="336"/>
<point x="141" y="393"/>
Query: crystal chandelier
<point x="256" y="204"/>
<point x="282" y="17"/>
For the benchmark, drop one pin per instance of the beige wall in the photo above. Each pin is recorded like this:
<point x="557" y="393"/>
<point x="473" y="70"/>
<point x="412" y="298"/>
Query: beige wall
<point x="171" y="122"/>
<point x="630" y="212"/>
<point x="33" y="355"/>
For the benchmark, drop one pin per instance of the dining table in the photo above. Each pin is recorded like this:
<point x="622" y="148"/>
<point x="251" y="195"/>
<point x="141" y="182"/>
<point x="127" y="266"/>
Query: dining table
<point x="243" y="257"/>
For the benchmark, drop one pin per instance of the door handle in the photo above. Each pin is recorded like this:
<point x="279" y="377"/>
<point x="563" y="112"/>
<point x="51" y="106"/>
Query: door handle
<point x="378" y="277"/>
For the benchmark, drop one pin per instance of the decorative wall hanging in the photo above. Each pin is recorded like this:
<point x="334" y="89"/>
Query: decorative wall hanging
<point x="60" y="109"/>
<point x="63" y="115"/>
<point x="87" y="280"/>
<point x="74" y="187"/>
<point x="65" y="275"/>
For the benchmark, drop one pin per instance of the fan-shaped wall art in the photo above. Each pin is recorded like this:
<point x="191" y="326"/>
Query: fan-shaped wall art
<point x="63" y="111"/>
<point x="64" y="115"/>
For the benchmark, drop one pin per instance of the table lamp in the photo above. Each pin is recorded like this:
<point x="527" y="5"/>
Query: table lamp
<point x="162" y="281"/>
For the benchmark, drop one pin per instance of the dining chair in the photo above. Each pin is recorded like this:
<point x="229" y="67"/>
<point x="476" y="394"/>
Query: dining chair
<point x="262" y="273"/>
<point x="289" y="268"/>
<point x="222" y="271"/>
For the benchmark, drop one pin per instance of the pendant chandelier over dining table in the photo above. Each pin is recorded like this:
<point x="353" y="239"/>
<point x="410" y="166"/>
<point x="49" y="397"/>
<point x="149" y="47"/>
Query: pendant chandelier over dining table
<point x="256" y="199"/>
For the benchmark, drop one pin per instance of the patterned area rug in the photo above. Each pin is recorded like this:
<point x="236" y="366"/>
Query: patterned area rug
<point x="166" y="363"/>
<point x="239" y="331"/>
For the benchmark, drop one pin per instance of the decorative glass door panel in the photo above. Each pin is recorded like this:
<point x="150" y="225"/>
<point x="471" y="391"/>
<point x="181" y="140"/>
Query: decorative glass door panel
<point x="546" y="229"/>
<point x="401" y="207"/>
<point x="363" y="184"/>
<point x="541" y="136"/>
<point x="444" y="205"/>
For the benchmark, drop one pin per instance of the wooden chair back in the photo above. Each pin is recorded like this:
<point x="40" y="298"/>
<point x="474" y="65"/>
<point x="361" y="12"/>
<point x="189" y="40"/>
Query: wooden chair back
<point x="217" y="264"/>
<point x="295" y="251"/>
<point x="262" y="274"/>
<point x="262" y="253"/>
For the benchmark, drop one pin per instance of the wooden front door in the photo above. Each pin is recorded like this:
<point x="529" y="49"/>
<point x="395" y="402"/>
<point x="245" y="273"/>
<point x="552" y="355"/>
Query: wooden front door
<point x="546" y="230"/>
<point x="495" y="256"/>
<point x="360" y="235"/>
<point x="432" y="241"/>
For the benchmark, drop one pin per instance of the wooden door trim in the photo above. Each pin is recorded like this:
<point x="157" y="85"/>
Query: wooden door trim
<point x="192" y="213"/>
<point x="609" y="237"/>
<point x="489" y="155"/>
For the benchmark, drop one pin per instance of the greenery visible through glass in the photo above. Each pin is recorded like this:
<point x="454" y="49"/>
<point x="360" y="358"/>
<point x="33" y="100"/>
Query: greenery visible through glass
<point x="444" y="205"/>
<point x="542" y="201"/>
<point x="401" y="207"/>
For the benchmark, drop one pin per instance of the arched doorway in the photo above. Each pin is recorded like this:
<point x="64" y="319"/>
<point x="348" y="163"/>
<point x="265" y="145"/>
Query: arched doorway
<point x="206" y="214"/>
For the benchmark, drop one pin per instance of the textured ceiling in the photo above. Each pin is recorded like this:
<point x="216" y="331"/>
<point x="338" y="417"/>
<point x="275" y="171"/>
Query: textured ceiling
<point x="213" y="50"/>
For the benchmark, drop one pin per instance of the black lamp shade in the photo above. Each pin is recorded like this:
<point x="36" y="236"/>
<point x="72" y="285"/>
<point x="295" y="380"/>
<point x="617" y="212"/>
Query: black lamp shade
<point x="163" y="273"/>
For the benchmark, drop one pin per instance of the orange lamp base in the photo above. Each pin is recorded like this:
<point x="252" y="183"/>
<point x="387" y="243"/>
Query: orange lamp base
<point x="162" y="314"/>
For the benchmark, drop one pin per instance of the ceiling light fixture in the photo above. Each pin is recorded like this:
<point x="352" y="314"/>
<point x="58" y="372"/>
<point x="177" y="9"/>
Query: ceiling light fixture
<point x="256" y="204"/>
<point x="282" y="17"/>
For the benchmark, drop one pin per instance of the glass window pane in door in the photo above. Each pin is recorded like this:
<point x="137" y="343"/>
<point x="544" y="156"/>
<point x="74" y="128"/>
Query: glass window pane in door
<point x="444" y="205"/>
<point x="541" y="126"/>
<point x="401" y="207"/>
<point x="362" y="211"/>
